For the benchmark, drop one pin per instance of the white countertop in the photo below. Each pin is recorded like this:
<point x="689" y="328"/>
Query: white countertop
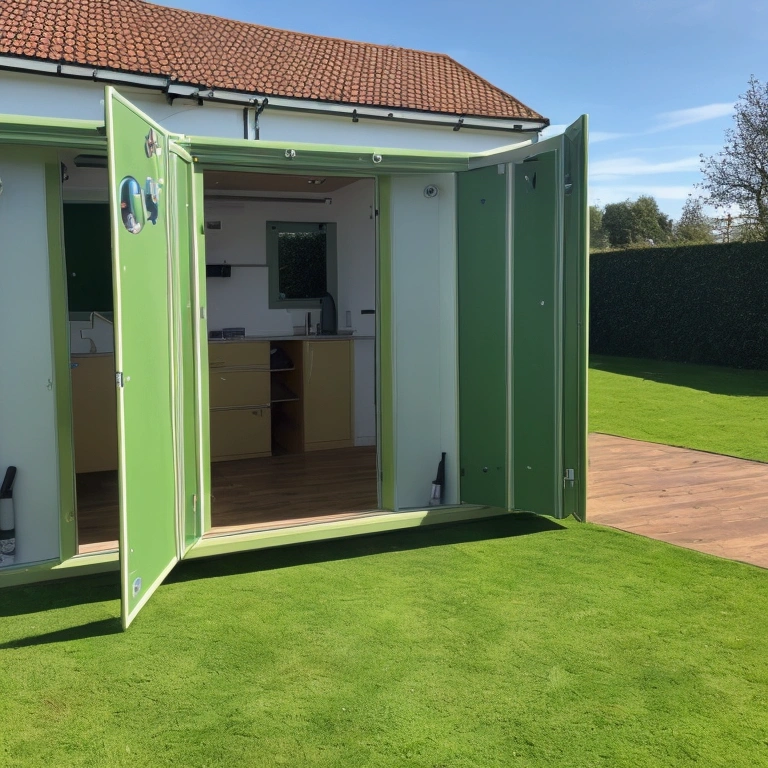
<point x="321" y="337"/>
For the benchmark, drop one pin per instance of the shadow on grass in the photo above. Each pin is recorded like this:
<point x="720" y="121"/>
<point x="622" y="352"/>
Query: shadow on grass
<point x="62" y="593"/>
<point x="505" y="526"/>
<point x="707" y="378"/>
<point x="35" y="598"/>
<point x="81" y="632"/>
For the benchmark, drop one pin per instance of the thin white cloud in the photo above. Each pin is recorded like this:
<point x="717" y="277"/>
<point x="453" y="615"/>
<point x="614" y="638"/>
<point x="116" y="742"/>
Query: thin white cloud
<point x="608" y="193"/>
<point x="680" y="117"/>
<point x="637" y="166"/>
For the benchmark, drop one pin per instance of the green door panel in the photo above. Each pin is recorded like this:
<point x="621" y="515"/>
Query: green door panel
<point x="482" y="298"/>
<point x="536" y="332"/>
<point x="182" y="220"/>
<point x="575" y="316"/>
<point x="141" y="255"/>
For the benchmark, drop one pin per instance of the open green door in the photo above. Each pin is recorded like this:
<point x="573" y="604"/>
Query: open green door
<point x="146" y="378"/>
<point x="522" y="327"/>
<point x="483" y="321"/>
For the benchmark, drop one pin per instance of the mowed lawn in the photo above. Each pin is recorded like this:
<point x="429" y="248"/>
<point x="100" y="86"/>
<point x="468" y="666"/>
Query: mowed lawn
<point x="709" y="408"/>
<point x="514" y="641"/>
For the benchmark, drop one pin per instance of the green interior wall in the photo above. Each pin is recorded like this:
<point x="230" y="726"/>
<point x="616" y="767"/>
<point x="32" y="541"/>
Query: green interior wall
<point x="482" y="339"/>
<point x="536" y="333"/>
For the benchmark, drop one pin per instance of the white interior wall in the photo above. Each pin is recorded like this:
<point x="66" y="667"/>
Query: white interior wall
<point x="425" y="336"/>
<point x="243" y="298"/>
<point x="28" y="437"/>
<point x="50" y="96"/>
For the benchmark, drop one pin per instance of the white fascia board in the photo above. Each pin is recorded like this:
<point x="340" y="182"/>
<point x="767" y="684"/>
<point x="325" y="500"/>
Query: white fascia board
<point x="383" y="113"/>
<point x="273" y="102"/>
<point x="79" y="71"/>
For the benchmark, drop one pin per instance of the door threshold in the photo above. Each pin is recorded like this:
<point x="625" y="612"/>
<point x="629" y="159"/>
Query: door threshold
<point x="279" y="525"/>
<point x="98" y="547"/>
<point x="378" y="521"/>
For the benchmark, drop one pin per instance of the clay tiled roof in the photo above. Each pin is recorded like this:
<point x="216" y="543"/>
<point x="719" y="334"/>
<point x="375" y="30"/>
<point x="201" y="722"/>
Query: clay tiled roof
<point x="197" y="49"/>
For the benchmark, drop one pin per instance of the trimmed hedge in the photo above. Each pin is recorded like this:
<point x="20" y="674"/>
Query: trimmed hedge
<point x="692" y="304"/>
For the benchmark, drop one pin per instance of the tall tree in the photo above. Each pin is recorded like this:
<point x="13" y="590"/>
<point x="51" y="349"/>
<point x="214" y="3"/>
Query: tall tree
<point x="597" y="236"/>
<point x="693" y="226"/>
<point x="638" y="221"/>
<point x="738" y="175"/>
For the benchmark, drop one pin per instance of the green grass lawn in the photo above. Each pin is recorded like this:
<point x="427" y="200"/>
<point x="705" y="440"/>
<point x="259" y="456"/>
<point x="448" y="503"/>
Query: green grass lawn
<point x="721" y="410"/>
<point x="512" y="641"/>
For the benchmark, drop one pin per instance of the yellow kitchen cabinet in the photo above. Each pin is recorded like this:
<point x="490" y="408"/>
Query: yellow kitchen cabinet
<point x="238" y="354"/>
<point x="239" y="388"/>
<point x="241" y="433"/>
<point x="239" y="394"/>
<point x="327" y="395"/>
<point x="94" y="412"/>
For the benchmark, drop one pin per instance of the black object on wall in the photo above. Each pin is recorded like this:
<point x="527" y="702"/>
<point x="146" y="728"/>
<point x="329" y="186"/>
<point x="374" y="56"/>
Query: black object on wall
<point x="88" y="253"/>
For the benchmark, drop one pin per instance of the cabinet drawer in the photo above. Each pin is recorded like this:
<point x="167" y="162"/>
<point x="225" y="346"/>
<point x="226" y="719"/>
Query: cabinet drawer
<point x="230" y="389"/>
<point x="238" y="354"/>
<point x="240" y="432"/>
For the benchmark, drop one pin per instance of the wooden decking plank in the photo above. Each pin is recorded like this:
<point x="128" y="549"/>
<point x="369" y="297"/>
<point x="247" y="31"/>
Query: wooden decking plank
<point x="715" y="504"/>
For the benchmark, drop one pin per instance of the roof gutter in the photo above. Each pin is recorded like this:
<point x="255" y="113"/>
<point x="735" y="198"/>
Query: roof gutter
<point x="174" y="90"/>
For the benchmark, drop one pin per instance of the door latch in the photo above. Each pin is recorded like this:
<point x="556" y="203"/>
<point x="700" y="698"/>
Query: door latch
<point x="570" y="477"/>
<point x="119" y="379"/>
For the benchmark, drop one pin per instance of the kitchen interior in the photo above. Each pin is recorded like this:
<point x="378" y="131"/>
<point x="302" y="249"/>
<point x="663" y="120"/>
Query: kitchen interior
<point x="291" y="298"/>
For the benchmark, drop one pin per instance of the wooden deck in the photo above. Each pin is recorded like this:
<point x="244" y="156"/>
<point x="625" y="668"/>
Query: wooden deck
<point x="703" y="501"/>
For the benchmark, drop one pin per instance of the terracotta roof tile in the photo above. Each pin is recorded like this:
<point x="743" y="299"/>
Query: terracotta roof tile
<point x="198" y="49"/>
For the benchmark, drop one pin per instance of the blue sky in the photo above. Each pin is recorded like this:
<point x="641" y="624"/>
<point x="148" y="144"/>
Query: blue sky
<point x="657" y="77"/>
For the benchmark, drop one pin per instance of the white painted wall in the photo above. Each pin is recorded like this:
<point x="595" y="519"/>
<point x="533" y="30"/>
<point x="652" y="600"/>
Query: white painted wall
<point x="425" y="343"/>
<point x="50" y="96"/>
<point x="28" y="436"/>
<point x="243" y="299"/>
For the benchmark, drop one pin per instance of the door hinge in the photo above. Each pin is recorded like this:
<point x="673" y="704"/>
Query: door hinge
<point x="119" y="379"/>
<point x="570" y="477"/>
<point x="194" y="502"/>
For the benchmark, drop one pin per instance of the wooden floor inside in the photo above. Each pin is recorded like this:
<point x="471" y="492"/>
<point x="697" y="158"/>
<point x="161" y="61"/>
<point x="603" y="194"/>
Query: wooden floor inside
<point x="703" y="501"/>
<point x="293" y="489"/>
<point x="252" y="494"/>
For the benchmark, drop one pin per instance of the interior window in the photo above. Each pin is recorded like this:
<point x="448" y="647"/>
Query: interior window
<point x="302" y="263"/>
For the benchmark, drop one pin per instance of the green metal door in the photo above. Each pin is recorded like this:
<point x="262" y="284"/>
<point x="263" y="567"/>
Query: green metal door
<point x="482" y="297"/>
<point x="189" y="346"/>
<point x="522" y="265"/>
<point x="575" y="317"/>
<point x="536" y="336"/>
<point x="138" y="151"/>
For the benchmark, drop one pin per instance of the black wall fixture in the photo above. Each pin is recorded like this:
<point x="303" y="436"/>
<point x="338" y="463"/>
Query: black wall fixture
<point x="218" y="270"/>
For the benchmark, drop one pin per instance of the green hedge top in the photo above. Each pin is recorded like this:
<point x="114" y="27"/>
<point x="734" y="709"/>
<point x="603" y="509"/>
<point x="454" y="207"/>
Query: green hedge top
<point x="694" y="304"/>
